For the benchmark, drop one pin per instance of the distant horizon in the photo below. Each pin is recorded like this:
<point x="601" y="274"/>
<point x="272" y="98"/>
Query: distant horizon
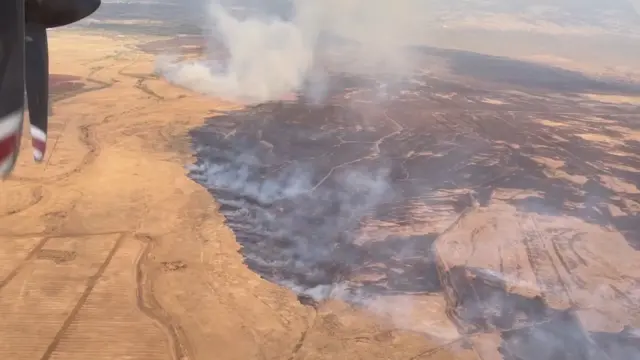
<point x="598" y="51"/>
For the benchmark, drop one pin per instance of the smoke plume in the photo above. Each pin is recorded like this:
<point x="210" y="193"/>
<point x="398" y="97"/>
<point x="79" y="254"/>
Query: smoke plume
<point x="272" y="53"/>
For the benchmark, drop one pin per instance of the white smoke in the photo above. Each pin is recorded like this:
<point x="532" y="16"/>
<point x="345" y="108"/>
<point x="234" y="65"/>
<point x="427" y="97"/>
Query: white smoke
<point x="270" y="57"/>
<point x="302" y="236"/>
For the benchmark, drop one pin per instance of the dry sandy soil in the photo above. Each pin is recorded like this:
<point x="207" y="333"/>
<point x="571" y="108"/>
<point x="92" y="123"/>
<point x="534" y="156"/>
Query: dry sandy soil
<point x="529" y="239"/>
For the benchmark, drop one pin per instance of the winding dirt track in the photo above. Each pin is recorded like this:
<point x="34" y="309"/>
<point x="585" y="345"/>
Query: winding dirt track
<point x="109" y="251"/>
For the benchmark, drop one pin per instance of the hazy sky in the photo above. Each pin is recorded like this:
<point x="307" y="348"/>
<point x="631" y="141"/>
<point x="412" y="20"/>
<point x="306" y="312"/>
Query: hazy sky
<point x="593" y="12"/>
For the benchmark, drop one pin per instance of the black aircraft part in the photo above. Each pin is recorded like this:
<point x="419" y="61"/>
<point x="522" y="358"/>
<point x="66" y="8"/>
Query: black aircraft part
<point x="54" y="13"/>
<point x="37" y="80"/>
<point x="11" y="81"/>
<point x="26" y="21"/>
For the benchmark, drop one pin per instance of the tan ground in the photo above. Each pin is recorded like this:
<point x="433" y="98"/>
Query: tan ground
<point x="108" y="251"/>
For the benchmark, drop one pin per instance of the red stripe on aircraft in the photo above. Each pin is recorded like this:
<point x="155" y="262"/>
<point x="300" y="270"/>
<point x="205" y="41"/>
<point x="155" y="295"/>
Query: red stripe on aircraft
<point x="8" y="146"/>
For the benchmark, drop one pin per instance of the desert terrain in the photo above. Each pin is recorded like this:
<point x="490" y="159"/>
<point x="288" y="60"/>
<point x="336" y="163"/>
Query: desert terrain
<point x="487" y="209"/>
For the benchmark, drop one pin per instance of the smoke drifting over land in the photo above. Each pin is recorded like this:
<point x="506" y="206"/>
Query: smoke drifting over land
<point x="272" y="53"/>
<point x="302" y="219"/>
<point x="287" y="224"/>
<point x="299" y="185"/>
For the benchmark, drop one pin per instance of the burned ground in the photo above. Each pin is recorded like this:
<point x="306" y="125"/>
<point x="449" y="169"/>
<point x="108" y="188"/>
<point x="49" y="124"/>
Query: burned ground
<point x="354" y="193"/>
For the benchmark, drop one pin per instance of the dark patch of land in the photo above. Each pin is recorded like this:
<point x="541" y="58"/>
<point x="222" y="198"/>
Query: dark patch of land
<point x="300" y="184"/>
